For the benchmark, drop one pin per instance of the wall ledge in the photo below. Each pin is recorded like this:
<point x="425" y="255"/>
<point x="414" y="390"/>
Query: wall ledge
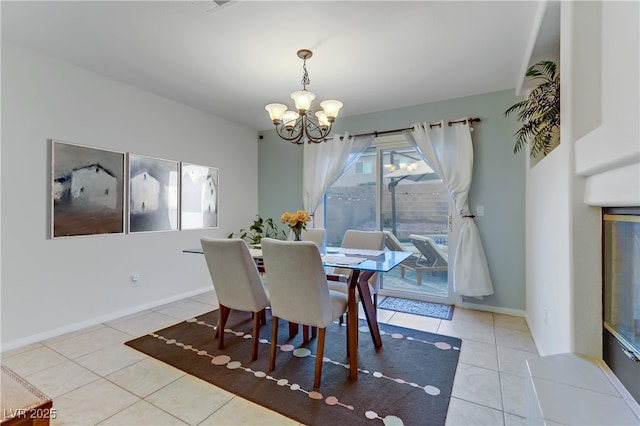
<point x="609" y="157"/>
<point x="612" y="145"/>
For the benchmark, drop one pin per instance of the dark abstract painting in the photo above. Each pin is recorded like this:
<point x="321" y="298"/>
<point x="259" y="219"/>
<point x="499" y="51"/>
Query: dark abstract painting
<point x="87" y="194"/>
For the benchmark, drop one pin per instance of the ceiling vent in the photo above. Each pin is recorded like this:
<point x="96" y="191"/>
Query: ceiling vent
<point x="209" y="6"/>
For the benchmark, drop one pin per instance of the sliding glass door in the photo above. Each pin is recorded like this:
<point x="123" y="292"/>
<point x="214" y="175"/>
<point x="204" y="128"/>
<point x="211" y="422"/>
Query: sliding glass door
<point x="350" y="203"/>
<point x="391" y="189"/>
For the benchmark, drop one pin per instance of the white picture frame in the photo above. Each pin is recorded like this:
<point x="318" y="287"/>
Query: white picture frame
<point x="199" y="196"/>
<point x="153" y="194"/>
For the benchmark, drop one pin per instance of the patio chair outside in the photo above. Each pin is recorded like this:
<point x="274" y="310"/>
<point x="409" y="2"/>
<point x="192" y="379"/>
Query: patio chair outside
<point x="431" y="259"/>
<point x="393" y="243"/>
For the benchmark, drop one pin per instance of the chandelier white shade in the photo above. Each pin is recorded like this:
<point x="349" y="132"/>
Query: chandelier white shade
<point x="303" y="99"/>
<point x="299" y="126"/>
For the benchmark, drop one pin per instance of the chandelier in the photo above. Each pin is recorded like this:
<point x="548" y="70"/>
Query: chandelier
<point x="298" y="126"/>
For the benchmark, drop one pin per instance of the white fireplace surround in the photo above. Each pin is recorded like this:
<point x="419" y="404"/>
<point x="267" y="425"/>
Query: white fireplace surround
<point x="609" y="157"/>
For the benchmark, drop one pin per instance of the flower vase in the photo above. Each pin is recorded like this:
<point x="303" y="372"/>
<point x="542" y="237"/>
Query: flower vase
<point x="297" y="233"/>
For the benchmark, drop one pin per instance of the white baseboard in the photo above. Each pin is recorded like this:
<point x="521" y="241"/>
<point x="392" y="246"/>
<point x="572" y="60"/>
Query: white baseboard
<point x="24" y="341"/>
<point x="494" y="309"/>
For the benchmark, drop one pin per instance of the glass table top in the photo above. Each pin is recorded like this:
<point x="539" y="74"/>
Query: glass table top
<point x="364" y="260"/>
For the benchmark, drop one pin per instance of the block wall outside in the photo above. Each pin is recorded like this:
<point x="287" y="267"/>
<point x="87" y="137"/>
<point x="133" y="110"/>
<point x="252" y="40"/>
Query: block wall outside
<point x="421" y="208"/>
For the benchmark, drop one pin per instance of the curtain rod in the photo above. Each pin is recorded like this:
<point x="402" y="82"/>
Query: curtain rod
<point x="386" y="132"/>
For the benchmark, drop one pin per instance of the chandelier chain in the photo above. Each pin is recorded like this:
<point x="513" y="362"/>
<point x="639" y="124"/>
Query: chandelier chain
<point x="305" y="76"/>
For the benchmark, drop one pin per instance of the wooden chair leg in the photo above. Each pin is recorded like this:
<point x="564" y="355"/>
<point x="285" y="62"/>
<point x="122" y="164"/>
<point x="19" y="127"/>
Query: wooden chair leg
<point x="223" y="316"/>
<point x="314" y="332"/>
<point x="305" y="334"/>
<point x="293" y="329"/>
<point x="319" y="354"/>
<point x="375" y="302"/>
<point x="256" y="336"/>
<point x="218" y="321"/>
<point x="274" y="343"/>
<point x="346" y="334"/>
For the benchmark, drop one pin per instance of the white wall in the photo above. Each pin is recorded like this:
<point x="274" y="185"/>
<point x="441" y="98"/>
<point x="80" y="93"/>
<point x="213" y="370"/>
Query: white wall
<point x="54" y="286"/>
<point x="620" y="61"/>
<point x="548" y="251"/>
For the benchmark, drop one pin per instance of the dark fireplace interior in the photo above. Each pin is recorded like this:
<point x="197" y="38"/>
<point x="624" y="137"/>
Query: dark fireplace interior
<point x="621" y="295"/>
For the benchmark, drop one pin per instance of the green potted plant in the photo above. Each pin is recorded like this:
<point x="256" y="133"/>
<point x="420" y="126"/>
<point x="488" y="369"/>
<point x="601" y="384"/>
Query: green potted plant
<point x="259" y="229"/>
<point x="540" y="112"/>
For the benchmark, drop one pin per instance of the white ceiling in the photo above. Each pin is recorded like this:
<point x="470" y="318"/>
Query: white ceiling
<point x="233" y="60"/>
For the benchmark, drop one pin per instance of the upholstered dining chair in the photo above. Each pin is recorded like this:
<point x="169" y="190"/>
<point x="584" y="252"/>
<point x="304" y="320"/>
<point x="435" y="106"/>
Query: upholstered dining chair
<point x="369" y="240"/>
<point x="317" y="235"/>
<point x="299" y="292"/>
<point x="237" y="283"/>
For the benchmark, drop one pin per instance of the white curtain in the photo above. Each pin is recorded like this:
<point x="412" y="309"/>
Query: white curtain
<point x="449" y="152"/>
<point x="324" y="163"/>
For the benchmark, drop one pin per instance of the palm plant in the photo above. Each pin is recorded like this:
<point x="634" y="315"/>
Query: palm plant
<point x="540" y="112"/>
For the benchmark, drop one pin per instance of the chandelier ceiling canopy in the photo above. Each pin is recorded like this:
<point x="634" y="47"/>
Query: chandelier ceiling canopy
<point x="301" y="125"/>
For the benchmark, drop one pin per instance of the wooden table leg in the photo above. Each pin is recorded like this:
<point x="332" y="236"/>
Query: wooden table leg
<point x="369" y="309"/>
<point x="352" y="323"/>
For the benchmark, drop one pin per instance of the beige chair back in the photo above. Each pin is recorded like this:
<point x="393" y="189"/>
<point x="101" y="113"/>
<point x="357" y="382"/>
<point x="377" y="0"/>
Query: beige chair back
<point x="317" y="235"/>
<point x="297" y="282"/>
<point x="234" y="274"/>
<point x="368" y="240"/>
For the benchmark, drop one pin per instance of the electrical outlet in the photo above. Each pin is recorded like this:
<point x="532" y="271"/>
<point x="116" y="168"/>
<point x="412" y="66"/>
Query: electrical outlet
<point x="480" y="211"/>
<point x="135" y="280"/>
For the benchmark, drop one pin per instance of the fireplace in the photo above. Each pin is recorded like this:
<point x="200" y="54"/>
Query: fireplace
<point x="621" y="295"/>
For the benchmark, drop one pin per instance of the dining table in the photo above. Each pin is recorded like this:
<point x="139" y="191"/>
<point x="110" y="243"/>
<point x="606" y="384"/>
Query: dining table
<point x="363" y="264"/>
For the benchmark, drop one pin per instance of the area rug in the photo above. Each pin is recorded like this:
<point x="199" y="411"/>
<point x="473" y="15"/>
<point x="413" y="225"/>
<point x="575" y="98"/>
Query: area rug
<point x="406" y="382"/>
<point x="426" y="309"/>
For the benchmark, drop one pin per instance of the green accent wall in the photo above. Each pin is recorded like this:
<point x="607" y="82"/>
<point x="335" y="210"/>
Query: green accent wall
<point x="498" y="180"/>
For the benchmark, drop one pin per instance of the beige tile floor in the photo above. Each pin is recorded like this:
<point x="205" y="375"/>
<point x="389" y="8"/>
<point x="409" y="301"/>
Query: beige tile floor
<point x="96" y="380"/>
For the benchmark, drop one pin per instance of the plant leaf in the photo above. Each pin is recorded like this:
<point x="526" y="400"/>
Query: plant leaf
<point x="540" y="112"/>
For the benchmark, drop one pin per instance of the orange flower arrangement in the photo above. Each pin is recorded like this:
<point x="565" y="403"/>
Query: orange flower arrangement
<point x="297" y="221"/>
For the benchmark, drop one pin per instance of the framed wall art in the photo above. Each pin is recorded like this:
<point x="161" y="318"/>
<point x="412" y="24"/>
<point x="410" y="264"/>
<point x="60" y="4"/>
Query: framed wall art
<point x="199" y="197"/>
<point x="153" y="194"/>
<point x="87" y="190"/>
